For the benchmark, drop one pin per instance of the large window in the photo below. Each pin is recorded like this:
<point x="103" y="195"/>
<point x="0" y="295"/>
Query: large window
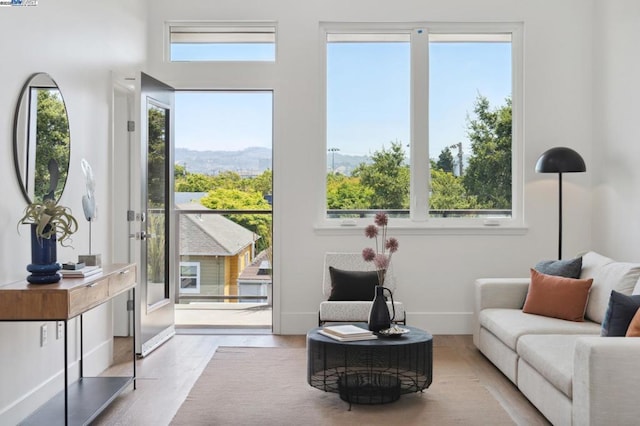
<point x="421" y="123"/>
<point x="368" y="122"/>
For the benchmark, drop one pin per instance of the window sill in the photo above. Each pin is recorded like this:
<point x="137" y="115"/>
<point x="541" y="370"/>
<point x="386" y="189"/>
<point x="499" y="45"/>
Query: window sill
<point x="415" y="228"/>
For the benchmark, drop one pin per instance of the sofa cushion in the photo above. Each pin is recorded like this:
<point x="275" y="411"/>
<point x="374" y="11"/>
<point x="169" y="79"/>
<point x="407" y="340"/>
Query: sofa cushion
<point x="619" y="276"/>
<point x="570" y="268"/>
<point x="557" y="297"/>
<point x="591" y="262"/>
<point x="619" y="314"/>
<point x="509" y="324"/>
<point x="549" y="400"/>
<point x="502" y="356"/>
<point x="551" y="355"/>
<point x="352" y="285"/>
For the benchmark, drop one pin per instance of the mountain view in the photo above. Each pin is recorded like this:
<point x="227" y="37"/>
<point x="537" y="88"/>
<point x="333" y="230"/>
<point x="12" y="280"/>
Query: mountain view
<point x="251" y="161"/>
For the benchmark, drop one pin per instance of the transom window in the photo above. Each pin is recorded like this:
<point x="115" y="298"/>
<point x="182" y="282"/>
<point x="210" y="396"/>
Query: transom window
<point x="420" y="122"/>
<point x="210" y="41"/>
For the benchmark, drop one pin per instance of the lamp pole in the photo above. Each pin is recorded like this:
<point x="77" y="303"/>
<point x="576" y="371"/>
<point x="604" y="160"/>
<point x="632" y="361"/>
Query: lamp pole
<point x="559" y="215"/>
<point x="459" y="146"/>
<point x="333" y="158"/>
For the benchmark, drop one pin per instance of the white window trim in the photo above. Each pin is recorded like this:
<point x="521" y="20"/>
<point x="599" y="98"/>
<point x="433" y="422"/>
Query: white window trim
<point x="419" y="220"/>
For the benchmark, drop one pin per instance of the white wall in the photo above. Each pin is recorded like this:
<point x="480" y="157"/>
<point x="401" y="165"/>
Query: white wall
<point x="435" y="272"/>
<point x="616" y="144"/>
<point x="78" y="44"/>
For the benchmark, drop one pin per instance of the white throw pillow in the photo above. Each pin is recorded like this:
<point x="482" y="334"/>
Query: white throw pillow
<point x="619" y="276"/>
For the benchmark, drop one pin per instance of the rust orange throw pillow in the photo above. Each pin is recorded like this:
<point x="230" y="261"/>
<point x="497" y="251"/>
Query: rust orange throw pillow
<point x="634" y="327"/>
<point x="557" y="297"/>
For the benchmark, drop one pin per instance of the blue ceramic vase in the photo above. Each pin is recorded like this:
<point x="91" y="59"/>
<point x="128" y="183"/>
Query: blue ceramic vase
<point x="44" y="254"/>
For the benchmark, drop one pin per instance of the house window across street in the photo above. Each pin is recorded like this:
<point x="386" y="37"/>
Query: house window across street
<point x="189" y="277"/>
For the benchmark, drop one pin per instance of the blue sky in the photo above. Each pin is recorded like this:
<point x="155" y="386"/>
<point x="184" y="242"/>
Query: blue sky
<point x="368" y="99"/>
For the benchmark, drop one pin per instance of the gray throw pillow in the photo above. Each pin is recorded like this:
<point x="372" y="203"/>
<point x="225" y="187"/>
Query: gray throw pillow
<point x="619" y="314"/>
<point x="570" y="268"/>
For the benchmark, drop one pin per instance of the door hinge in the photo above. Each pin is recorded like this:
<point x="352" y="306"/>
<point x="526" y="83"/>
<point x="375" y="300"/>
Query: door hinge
<point x="131" y="126"/>
<point x="129" y="305"/>
<point x="133" y="216"/>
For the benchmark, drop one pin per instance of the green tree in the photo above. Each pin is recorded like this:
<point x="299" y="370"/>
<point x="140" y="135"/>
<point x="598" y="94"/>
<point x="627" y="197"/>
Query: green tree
<point x="52" y="136"/>
<point x="346" y="193"/>
<point x="179" y="171"/>
<point x="156" y="156"/>
<point x="488" y="175"/>
<point x="445" y="161"/>
<point x="194" y="182"/>
<point x="262" y="183"/>
<point x="156" y="248"/>
<point x="235" y="199"/>
<point x="447" y="192"/>
<point x="228" y="180"/>
<point x="388" y="177"/>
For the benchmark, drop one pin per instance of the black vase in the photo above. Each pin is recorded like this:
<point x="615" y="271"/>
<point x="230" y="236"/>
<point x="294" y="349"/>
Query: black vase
<point x="43" y="267"/>
<point x="379" y="318"/>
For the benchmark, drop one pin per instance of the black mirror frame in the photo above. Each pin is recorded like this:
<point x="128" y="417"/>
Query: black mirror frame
<point x="16" y="161"/>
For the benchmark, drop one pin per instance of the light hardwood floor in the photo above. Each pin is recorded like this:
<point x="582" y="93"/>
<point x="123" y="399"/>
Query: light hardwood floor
<point x="165" y="377"/>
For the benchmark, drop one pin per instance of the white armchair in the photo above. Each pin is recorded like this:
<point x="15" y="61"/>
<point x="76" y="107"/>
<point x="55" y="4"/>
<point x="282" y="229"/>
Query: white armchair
<point x="353" y="311"/>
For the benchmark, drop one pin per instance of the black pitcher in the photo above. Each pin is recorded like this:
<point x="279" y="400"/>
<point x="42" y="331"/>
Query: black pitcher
<point x="379" y="318"/>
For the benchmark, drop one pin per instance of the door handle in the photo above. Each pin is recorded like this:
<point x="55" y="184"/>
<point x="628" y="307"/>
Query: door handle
<point x="140" y="236"/>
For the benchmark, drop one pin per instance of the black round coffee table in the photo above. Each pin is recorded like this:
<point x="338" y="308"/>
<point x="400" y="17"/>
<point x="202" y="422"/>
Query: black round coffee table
<point x="370" y="371"/>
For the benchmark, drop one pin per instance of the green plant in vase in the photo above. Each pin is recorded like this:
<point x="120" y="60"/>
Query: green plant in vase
<point x="50" y="223"/>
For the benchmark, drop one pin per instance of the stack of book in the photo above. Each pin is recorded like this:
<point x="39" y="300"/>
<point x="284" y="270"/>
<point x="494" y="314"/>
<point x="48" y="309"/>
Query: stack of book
<point x="347" y="333"/>
<point x="84" y="271"/>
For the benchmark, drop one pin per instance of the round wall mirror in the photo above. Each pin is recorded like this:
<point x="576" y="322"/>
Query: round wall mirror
<point x="41" y="140"/>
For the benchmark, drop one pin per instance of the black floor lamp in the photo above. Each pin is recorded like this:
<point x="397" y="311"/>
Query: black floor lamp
<point x="560" y="160"/>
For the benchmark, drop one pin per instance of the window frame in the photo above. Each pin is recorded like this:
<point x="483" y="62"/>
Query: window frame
<point x="219" y="27"/>
<point x="186" y="290"/>
<point x="419" y="129"/>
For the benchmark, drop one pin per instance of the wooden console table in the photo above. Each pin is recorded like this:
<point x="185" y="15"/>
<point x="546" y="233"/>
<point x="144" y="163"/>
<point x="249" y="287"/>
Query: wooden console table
<point x="71" y="297"/>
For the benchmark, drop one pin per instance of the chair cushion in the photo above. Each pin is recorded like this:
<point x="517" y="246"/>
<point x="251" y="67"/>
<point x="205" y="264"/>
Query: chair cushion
<point x="355" y="311"/>
<point x="352" y="285"/>
<point x="557" y="297"/>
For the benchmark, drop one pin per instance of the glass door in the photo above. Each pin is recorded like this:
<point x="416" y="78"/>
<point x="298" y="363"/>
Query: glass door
<point x="152" y="205"/>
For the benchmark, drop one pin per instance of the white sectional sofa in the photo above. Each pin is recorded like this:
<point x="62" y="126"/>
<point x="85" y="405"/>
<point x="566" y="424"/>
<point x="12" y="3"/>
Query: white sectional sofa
<point x="566" y="369"/>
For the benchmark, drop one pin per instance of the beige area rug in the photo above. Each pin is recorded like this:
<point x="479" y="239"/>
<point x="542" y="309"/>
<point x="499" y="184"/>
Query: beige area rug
<point x="268" y="386"/>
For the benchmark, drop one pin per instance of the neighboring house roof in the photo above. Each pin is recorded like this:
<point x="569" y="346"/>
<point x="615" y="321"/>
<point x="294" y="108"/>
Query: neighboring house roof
<point x="211" y="234"/>
<point x="258" y="272"/>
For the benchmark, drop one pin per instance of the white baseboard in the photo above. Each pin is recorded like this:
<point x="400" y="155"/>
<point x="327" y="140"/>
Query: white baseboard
<point x="442" y="322"/>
